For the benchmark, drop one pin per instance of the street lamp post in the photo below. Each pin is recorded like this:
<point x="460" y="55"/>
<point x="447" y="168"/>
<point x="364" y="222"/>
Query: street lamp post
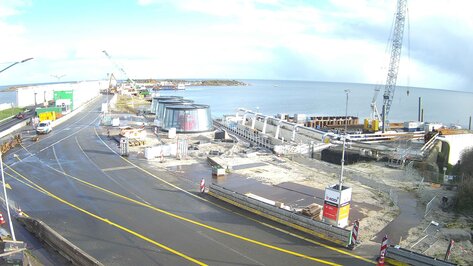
<point x="344" y="141"/>
<point x="12" y="231"/>
<point x="19" y="62"/>
<point x="6" y="199"/>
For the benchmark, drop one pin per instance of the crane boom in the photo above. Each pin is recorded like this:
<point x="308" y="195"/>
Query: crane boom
<point x="395" y="55"/>
<point x="396" y="47"/>
<point x="119" y="68"/>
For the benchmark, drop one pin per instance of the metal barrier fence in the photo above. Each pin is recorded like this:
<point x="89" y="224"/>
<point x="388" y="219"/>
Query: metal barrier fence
<point x="429" y="206"/>
<point x="400" y="256"/>
<point x="325" y="231"/>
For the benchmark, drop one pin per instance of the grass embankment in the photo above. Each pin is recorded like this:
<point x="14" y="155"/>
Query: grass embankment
<point x="10" y="112"/>
<point x="130" y="104"/>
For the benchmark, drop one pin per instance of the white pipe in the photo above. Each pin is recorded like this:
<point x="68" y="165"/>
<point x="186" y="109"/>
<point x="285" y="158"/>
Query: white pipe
<point x="294" y="132"/>
<point x="277" y="129"/>
<point x="265" y="124"/>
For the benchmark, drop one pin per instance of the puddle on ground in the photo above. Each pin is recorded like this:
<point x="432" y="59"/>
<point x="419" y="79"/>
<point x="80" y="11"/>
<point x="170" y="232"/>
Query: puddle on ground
<point x="411" y="214"/>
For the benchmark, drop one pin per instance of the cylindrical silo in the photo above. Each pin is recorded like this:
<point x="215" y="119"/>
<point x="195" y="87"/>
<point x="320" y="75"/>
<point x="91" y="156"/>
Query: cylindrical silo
<point x="156" y="100"/>
<point x="160" y="113"/>
<point x="191" y="118"/>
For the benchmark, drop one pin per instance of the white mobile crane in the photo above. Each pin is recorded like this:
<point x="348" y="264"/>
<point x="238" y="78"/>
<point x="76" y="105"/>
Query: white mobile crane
<point x="389" y="88"/>
<point x="133" y="83"/>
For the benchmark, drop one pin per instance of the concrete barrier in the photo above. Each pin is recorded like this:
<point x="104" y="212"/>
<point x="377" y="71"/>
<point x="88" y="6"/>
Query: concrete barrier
<point x="401" y="256"/>
<point x="57" y="242"/>
<point x="339" y="236"/>
<point x="13" y="129"/>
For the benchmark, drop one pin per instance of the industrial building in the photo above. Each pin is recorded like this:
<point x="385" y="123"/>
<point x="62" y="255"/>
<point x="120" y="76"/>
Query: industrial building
<point x="51" y="101"/>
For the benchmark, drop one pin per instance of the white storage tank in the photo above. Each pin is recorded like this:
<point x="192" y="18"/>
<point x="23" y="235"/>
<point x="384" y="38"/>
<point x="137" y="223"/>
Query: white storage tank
<point x="191" y="118"/>
<point x="157" y="99"/>
<point x="160" y="110"/>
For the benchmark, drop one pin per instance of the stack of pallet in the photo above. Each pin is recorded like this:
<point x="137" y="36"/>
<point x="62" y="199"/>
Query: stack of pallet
<point x="314" y="211"/>
<point x="135" y="142"/>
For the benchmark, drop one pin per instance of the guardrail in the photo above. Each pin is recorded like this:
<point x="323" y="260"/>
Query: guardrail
<point x="57" y="242"/>
<point x="339" y="236"/>
<point x="401" y="256"/>
<point x="13" y="128"/>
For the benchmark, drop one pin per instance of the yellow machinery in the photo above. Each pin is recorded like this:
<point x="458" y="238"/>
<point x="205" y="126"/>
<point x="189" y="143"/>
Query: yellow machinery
<point x="371" y="125"/>
<point x="47" y="116"/>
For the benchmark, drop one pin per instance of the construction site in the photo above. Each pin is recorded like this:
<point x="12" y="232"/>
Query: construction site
<point x="381" y="181"/>
<point x="286" y="164"/>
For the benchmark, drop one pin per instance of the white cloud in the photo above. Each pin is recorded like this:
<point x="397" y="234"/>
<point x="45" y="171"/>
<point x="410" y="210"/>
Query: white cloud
<point x="10" y="8"/>
<point x="336" y="40"/>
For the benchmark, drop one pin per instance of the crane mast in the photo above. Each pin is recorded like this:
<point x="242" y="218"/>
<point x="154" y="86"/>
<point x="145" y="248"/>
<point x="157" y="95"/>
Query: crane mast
<point x="396" y="47"/>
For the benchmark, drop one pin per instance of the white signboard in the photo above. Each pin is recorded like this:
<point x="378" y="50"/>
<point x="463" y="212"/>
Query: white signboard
<point x="332" y="195"/>
<point x="346" y="196"/>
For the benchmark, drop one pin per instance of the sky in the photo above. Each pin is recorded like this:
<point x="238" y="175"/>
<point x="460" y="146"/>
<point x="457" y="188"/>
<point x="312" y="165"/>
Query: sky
<point x="331" y="40"/>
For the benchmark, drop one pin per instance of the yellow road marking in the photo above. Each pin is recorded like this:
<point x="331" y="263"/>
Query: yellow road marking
<point x="292" y="234"/>
<point x="6" y="185"/>
<point x="210" y="202"/>
<point x="215" y="204"/>
<point x="39" y="188"/>
<point x="190" y="221"/>
<point x="117" y="168"/>
<point x="300" y="237"/>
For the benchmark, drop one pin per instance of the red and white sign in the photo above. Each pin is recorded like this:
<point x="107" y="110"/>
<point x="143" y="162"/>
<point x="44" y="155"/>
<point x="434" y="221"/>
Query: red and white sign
<point x="354" y="232"/>
<point x="382" y="251"/>
<point x="202" y="185"/>
<point x="330" y="211"/>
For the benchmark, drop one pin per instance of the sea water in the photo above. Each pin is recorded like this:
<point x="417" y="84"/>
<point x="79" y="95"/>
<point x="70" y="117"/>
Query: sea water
<point x="271" y="97"/>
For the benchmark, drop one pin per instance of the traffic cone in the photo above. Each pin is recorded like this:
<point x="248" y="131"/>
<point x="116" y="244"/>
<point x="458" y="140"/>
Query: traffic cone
<point x="2" y="221"/>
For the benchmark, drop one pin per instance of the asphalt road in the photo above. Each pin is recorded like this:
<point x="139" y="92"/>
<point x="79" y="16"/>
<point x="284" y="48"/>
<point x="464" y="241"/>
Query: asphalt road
<point x="6" y="124"/>
<point x="125" y="212"/>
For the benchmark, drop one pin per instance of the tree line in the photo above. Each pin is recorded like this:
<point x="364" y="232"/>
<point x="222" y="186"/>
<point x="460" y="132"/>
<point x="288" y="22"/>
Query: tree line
<point x="464" y="169"/>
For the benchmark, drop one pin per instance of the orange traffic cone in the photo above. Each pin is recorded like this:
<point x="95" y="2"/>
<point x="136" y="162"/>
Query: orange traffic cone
<point x="2" y="221"/>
